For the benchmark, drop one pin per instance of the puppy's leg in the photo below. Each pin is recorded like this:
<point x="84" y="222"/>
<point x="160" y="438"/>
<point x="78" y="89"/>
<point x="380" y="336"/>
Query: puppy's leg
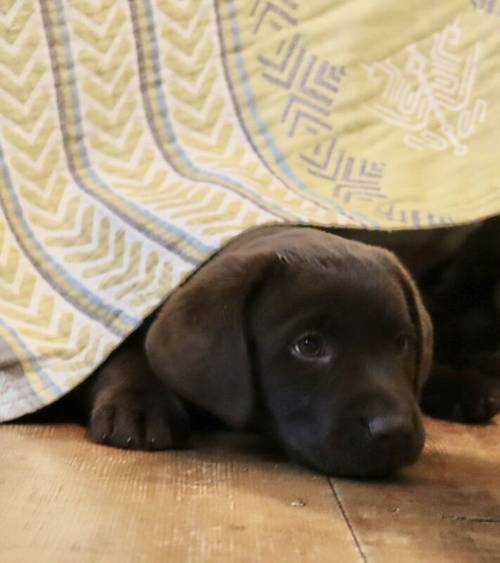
<point x="463" y="298"/>
<point x="129" y="407"/>
<point x="461" y="394"/>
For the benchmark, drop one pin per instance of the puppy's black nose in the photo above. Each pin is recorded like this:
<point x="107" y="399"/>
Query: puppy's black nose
<point x="390" y="429"/>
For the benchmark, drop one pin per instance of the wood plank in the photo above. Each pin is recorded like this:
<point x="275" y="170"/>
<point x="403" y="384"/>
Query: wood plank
<point x="229" y="500"/>
<point x="446" y="508"/>
<point x="63" y="499"/>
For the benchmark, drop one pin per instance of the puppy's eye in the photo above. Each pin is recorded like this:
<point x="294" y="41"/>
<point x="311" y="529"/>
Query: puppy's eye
<point x="310" y="345"/>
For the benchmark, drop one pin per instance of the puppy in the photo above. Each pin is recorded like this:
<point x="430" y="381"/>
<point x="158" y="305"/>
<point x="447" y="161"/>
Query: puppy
<point x="320" y="342"/>
<point x="458" y="272"/>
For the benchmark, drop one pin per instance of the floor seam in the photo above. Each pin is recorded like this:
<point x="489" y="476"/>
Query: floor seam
<point x="347" y="521"/>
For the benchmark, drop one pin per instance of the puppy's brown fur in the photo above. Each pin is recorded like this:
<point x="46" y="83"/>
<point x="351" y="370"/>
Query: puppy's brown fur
<point x="226" y="341"/>
<point x="458" y="272"/>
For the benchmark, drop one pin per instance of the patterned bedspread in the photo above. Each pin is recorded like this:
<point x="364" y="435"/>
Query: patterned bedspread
<point x="135" y="137"/>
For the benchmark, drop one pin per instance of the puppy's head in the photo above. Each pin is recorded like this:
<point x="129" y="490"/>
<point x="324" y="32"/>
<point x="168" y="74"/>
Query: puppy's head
<point x="320" y="341"/>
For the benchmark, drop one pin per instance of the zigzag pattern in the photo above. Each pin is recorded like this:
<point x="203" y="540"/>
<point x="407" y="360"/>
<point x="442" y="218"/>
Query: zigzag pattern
<point x="311" y="85"/>
<point x="29" y="136"/>
<point x="51" y="330"/>
<point x="136" y="137"/>
<point x="309" y="82"/>
<point x="196" y="89"/>
<point x="194" y="78"/>
<point x="114" y="118"/>
<point x="276" y="15"/>
<point x="108" y="259"/>
<point x="350" y="178"/>
<point x="118" y="125"/>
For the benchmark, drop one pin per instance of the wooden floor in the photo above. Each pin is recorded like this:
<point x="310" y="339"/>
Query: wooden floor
<point x="63" y="499"/>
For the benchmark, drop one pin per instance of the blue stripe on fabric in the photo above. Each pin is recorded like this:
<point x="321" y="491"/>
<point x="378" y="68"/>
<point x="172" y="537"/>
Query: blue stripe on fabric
<point x="279" y="157"/>
<point x="46" y="380"/>
<point x="212" y="176"/>
<point x="165" y="225"/>
<point x="113" y="312"/>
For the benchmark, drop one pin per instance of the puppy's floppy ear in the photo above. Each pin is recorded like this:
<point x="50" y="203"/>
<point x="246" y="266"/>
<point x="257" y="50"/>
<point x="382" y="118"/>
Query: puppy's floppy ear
<point x="198" y="344"/>
<point x="420" y="318"/>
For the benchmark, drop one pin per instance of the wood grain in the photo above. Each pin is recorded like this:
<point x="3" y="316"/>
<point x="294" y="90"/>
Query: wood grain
<point x="229" y="500"/>
<point x="446" y="508"/>
<point x="65" y="499"/>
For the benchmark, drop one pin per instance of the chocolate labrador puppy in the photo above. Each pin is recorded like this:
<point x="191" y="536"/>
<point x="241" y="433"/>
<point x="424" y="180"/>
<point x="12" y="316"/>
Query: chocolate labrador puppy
<point x="320" y="342"/>
<point x="458" y="273"/>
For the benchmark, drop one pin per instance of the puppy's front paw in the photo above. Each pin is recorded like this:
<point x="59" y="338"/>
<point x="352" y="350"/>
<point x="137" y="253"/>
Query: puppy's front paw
<point x="461" y="396"/>
<point x="138" y="421"/>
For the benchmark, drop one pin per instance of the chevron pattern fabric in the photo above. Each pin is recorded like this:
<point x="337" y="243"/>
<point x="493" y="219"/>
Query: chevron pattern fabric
<point x="136" y="137"/>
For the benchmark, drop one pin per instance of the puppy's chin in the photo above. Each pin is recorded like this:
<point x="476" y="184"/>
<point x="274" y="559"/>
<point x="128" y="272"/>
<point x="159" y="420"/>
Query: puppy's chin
<point x="378" y="467"/>
<point x="357" y="462"/>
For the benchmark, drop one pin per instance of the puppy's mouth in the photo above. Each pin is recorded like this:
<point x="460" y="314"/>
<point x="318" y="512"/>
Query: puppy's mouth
<point x="355" y="466"/>
<point x="356" y="460"/>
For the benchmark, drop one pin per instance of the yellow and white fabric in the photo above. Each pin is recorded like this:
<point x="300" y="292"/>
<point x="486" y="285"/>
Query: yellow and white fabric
<point x="136" y="136"/>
